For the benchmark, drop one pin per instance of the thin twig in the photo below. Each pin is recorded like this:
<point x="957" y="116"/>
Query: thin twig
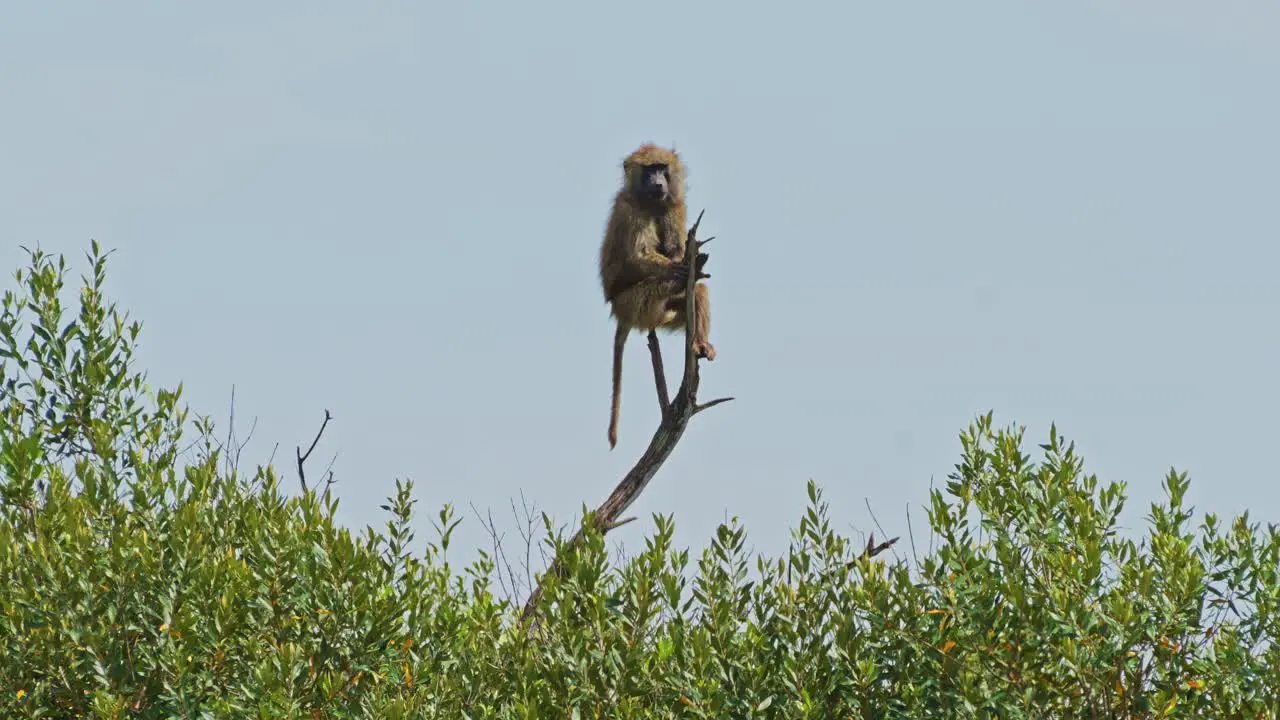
<point x="328" y="473"/>
<point x="911" y="535"/>
<point x="231" y="432"/>
<point x="526" y="535"/>
<point x="674" y="421"/>
<point x="302" y="457"/>
<point x="234" y="447"/>
<point x="506" y="583"/>
<point x="247" y="439"/>
<point x="932" y="534"/>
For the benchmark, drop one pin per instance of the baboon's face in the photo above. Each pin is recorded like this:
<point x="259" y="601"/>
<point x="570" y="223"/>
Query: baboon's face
<point x="654" y="183"/>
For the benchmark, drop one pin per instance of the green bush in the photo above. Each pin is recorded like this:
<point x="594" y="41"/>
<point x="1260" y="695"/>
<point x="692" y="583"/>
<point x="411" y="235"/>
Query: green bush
<point x="146" y="578"/>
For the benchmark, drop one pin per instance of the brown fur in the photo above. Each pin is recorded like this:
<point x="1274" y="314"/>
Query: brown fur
<point x="644" y="245"/>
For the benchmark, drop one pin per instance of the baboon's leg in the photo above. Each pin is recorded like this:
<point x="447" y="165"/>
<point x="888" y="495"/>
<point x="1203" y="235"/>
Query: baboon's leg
<point x="702" y="325"/>
<point x="659" y="375"/>
<point x="702" y="320"/>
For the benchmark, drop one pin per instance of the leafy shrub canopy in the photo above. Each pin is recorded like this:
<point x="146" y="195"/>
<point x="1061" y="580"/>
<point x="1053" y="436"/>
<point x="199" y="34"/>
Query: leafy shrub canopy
<point x="144" y="577"/>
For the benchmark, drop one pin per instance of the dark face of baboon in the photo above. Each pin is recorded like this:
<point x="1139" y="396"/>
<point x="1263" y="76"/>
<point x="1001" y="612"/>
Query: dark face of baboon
<point x="655" y="183"/>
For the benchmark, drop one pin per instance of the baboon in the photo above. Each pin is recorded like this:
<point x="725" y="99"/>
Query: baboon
<point x="642" y="267"/>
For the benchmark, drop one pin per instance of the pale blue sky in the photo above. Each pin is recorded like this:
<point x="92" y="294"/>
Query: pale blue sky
<point x="1061" y="211"/>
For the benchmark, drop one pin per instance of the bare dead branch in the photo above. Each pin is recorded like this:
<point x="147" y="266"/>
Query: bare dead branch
<point x="619" y="523"/>
<point x="876" y="520"/>
<point x="708" y="405"/>
<point x="659" y="374"/>
<point x="873" y="549"/>
<point x="670" y="430"/>
<point x="302" y="457"/>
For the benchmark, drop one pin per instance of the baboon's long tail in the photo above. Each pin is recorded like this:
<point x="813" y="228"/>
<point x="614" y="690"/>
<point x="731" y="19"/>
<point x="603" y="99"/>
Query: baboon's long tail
<point x="619" y="341"/>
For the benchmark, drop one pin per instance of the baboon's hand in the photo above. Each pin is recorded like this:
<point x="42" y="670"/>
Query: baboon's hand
<point x="680" y="273"/>
<point x="698" y="262"/>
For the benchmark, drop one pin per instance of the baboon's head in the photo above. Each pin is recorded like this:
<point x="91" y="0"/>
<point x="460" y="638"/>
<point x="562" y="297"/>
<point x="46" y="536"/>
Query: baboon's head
<point x="654" y="176"/>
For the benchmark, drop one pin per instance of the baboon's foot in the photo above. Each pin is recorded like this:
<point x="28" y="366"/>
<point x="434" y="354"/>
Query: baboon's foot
<point x="704" y="350"/>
